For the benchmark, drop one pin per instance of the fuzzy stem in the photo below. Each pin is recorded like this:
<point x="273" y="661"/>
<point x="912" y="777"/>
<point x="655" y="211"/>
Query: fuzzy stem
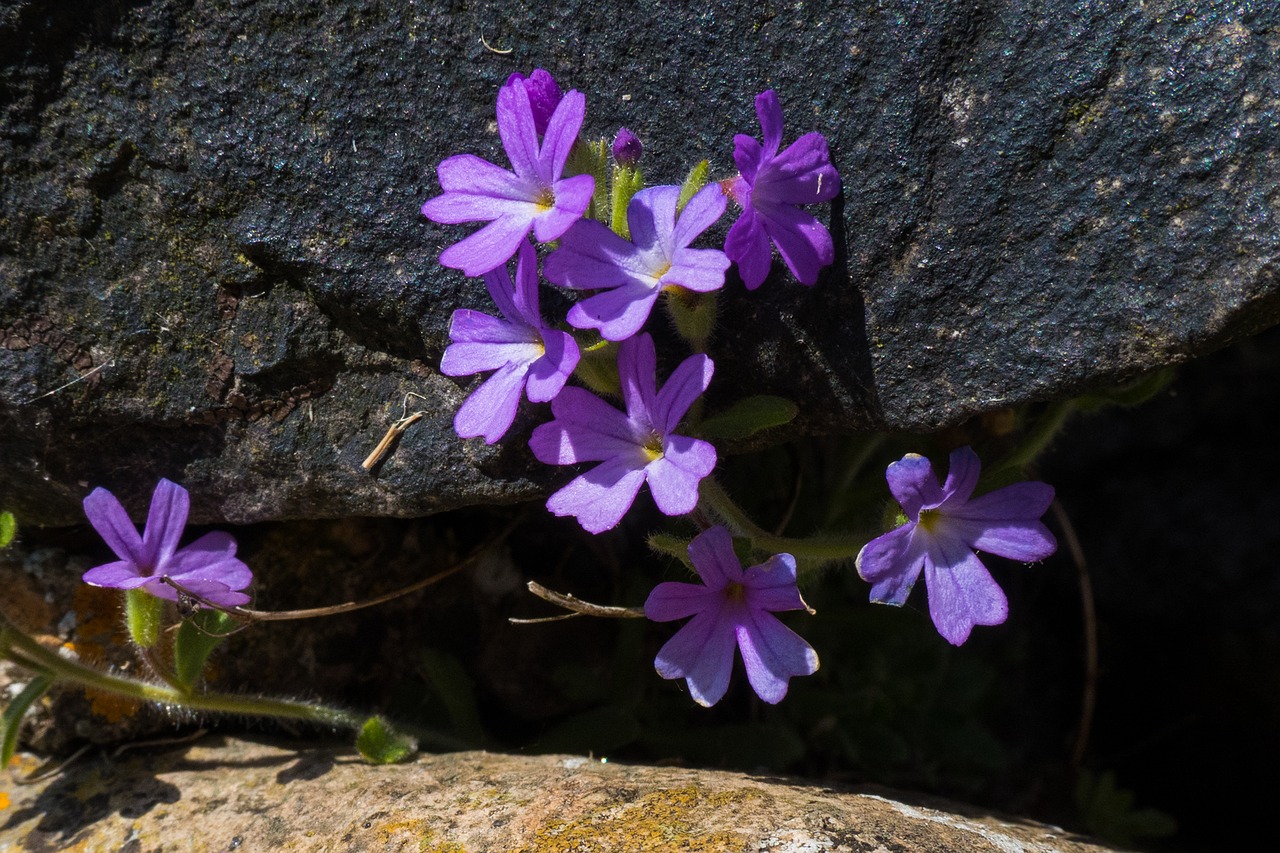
<point x="21" y="648"/>
<point x="821" y="548"/>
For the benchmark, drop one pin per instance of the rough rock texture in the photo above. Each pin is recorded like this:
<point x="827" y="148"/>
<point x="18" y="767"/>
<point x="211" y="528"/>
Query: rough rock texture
<point x="228" y="795"/>
<point x="208" y="219"/>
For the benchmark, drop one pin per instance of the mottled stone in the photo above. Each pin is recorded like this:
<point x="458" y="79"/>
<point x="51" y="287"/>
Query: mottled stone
<point x="221" y="795"/>
<point x="209" y="220"/>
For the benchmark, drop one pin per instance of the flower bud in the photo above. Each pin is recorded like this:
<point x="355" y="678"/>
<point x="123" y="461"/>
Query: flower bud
<point x="544" y="96"/>
<point x="626" y="148"/>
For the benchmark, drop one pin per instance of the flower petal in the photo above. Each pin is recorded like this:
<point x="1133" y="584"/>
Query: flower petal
<point x="112" y="523"/>
<point x="700" y="270"/>
<point x="165" y="521"/>
<point x="769" y="111"/>
<point x="913" y="484"/>
<point x="119" y="575"/>
<point x="701" y="652"/>
<point x="686" y="383"/>
<point x="1014" y="539"/>
<point x="747" y="156"/>
<point x="802" y="174"/>
<point x="491" y="408"/>
<point x="651" y="218"/>
<point x="572" y="195"/>
<point x="714" y="558"/>
<point x="891" y="564"/>
<point x="591" y="256"/>
<point x="491" y="190"/>
<point x="772" y="585"/>
<point x="491" y="246"/>
<point x="674" y="477"/>
<point x="562" y="131"/>
<point x="637" y="368"/>
<point x="464" y="359"/>
<point x="962" y="477"/>
<point x="548" y="374"/>
<point x="212" y="557"/>
<point x="519" y="133"/>
<point x="699" y="214"/>
<point x="524" y="290"/>
<point x="600" y="497"/>
<point x="671" y="600"/>
<point x="585" y="429"/>
<point x="962" y="592"/>
<point x="773" y="654"/>
<point x="803" y="242"/>
<point x="747" y="245"/>
<point x="618" y="314"/>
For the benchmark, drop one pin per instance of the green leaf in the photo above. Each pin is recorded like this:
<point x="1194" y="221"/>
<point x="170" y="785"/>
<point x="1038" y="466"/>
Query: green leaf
<point x="11" y="721"/>
<point x="696" y="180"/>
<point x="196" y="639"/>
<point x="451" y="684"/>
<point x="748" y="417"/>
<point x="8" y="528"/>
<point x="380" y="743"/>
<point x="143" y="615"/>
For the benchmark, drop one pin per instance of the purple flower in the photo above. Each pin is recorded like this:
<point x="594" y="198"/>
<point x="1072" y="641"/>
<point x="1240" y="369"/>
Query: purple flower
<point x="627" y="148"/>
<point x="526" y="355"/>
<point x="207" y="567"/>
<point x="658" y="257"/>
<point x="531" y="196"/>
<point x="944" y="529"/>
<point x="544" y="96"/>
<point x="633" y="447"/>
<point x="731" y="606"/>
<point x="769" y="188"/>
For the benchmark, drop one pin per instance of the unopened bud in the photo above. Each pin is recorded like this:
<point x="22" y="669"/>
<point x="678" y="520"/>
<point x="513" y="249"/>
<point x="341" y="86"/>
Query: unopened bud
<point x="626" y="148"/>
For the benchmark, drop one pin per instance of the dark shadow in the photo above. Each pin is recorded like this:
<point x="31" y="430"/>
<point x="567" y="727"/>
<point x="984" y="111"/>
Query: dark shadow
<point x="102" y="784"/>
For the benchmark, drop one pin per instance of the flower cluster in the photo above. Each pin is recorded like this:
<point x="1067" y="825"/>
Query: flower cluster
<point x="624" y="260"/>
<point x="622" y="249"/>
<point x="624" y="272"/>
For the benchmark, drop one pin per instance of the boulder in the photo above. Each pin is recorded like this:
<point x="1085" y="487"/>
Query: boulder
<point x="229" y="794"/>
<point x="213" y="268"/>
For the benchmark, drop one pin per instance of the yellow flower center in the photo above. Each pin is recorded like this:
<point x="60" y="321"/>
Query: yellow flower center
<point x="735" y="592"/>
<point x="546" y="199"/>
<point x="929" y="519"/>
<point x="653" y="447"/>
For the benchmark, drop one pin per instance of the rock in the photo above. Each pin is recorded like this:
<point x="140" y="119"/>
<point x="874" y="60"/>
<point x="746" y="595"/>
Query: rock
<point x="212" y="267"/>
<point x="228" y="794"/>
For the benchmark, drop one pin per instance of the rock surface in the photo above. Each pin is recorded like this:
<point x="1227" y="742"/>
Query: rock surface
<point x="209" y="220"/>
<point x="234" y="794"/>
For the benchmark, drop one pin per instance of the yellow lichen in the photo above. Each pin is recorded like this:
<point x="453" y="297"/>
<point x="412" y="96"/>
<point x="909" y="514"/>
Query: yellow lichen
<point x="662" y="820"/>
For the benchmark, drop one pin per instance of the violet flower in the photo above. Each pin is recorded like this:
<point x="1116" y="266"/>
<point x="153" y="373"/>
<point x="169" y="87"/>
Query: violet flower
<point x="533" y="196"/>
<point x="769" y="189"/>
<point x="526" y="355"/>
<point x="207" y="567"/>
<point x="658" y="257"/>
<point x="544" y="96"/>
<point x="944" y="528"/>
<point x="638" y="446"/>
<point x="731" y="607"/>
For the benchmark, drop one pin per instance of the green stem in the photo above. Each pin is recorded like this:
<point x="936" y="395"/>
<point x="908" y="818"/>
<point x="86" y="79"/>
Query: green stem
<point x="1046" y="429"/>
<point x="23" y="649"/>
<point x="821" y="548"/>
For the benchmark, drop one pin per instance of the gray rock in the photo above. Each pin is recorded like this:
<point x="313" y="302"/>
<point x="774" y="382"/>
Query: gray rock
<point x="235" y="794"/>
<point x="209" y="221"/>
